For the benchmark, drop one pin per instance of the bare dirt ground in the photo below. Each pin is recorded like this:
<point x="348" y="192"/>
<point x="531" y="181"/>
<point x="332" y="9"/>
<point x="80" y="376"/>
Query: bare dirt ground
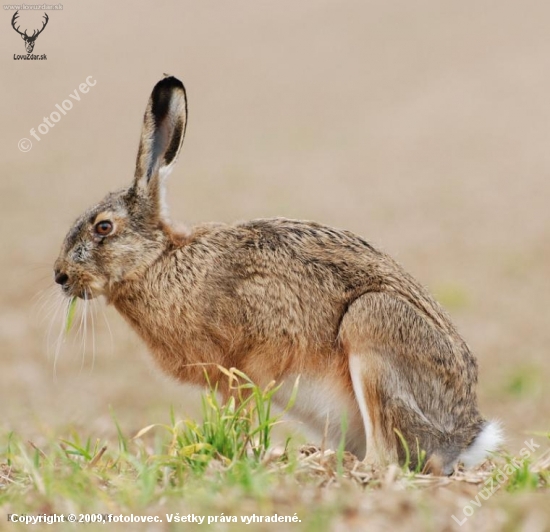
<point x="422" y="126"/>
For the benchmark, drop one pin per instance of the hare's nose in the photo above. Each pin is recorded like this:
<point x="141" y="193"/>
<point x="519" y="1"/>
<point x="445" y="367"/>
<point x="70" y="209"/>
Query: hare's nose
<point x="61" y="278"/>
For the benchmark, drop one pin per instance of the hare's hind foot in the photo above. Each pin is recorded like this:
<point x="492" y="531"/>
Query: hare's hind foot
<point x="413" y="384"/>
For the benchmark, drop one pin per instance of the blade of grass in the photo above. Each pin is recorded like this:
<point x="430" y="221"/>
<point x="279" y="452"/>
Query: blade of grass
<point x="69" y="318"/>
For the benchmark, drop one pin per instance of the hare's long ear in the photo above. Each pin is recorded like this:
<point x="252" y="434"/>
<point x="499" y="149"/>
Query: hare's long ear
<point x="161" y="138"/>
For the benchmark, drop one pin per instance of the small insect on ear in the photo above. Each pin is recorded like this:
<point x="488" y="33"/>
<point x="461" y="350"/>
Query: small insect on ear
<point x="162" y="135"/>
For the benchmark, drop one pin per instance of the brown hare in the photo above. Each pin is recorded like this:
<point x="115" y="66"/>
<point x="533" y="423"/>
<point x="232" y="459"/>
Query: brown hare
<point x="277" y="299"/>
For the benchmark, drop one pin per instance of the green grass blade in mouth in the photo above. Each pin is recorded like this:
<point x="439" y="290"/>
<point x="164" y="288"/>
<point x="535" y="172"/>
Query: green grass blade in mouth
<point x="70" y="314"/>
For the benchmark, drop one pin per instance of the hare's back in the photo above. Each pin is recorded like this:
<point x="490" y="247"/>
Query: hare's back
<point x="280" y="277"/>
<point x="304" y="255"/>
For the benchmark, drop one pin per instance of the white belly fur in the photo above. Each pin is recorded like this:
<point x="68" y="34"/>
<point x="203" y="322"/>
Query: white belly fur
<point x="318" y="399"/>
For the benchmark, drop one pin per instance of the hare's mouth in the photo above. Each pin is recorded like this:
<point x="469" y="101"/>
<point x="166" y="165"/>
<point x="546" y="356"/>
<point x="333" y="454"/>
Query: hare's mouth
<point x="86" y="293"/>
<point x="78" y="291"/>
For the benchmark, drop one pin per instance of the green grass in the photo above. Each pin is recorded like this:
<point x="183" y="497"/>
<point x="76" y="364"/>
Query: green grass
<point x="228" y="451"/>
<point x="69" y="317"/>
<point x="226" y="467"/>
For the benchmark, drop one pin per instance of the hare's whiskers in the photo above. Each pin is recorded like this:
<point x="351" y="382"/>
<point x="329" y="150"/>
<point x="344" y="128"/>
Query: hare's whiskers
<point x="108" y="326"/>
<point x="51" y="301"/>
<point x="56" y="307"/>
<point x="82" y="331"/>
<point x="39" y="294"/>
<point x="61" y="336"/>
<point x="42" y="297"/>
<point x="92" y="312"/>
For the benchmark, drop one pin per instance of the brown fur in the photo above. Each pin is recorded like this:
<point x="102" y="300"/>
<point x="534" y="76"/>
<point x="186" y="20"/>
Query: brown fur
<point x="276" y="298"/>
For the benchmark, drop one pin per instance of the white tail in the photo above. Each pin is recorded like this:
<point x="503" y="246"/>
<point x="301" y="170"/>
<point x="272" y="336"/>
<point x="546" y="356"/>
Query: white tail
<point x="487" y="441"/>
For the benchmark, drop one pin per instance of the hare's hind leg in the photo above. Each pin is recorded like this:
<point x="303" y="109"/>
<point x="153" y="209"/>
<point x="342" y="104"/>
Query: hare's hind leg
<point x="365" y="377"/>
<point x="411" y="381"/>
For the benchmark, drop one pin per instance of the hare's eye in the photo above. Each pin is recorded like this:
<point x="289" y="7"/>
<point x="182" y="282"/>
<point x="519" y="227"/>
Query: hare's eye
<point x="103" y="228"/>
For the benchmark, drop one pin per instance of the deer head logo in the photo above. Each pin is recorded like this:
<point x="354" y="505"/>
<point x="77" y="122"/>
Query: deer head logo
<point x="29" y="39"/>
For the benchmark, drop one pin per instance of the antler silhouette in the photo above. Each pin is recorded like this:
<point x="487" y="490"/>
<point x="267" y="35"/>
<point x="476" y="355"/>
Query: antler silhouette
<point x="42" y="28"/>
<point x="14" y="18"/>
<point x="29" y="39"/>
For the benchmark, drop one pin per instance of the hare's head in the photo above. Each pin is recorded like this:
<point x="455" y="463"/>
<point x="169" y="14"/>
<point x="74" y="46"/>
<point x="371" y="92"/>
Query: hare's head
<point x="123" y="234"/>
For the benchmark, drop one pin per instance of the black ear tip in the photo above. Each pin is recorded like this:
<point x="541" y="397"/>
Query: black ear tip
<point x="167" y="90"/>
<point x="168" y="83"/>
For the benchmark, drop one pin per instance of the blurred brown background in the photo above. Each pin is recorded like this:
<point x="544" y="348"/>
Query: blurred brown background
<point x="423" y="126"/>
